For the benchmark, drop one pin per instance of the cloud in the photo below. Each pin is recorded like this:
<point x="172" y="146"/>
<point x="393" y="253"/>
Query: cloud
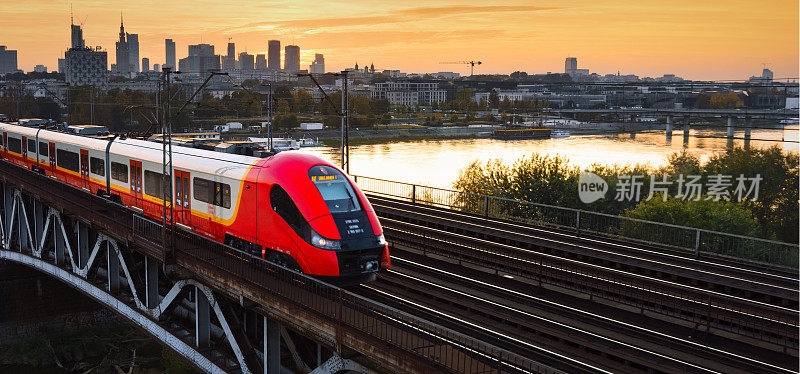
<point x="394" y="17"/>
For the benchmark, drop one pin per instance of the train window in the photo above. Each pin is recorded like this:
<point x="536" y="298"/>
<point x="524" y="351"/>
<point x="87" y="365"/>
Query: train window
<point x="43" y="148"/>
<point x="334" y="188"/>
<point x="15" y="145"/>
<point x="119" y="172"/>
<point x="283" y="205"/>
<point x="211" y="192"/>
<point x="153" y="185"/>
<point x="68" y="160"/>
<point x="32" y="146"/>
<point x="97" y="166"/>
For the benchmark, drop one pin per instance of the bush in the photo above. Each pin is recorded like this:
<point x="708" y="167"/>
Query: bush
<point x="711" y="215"/>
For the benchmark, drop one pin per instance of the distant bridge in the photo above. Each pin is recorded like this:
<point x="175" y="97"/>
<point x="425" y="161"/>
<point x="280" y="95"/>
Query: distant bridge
<point x="678" y="112"/>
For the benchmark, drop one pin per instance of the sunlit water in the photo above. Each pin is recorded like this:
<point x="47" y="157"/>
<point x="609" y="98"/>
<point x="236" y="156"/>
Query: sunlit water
<point x="437" y="162"/>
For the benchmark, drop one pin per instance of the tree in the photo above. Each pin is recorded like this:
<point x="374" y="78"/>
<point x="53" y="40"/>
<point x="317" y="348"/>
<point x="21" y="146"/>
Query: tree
<point x="727" y="100"/>
<point x="703" y="101"/>
<point x="303" y="102"/>
<point x="463" y="99"/>
<point x="326" y="107"/>
<point x="283" y="107"/>
<point x="494" y="100"/>
<point x="380" y="106"/>
<point x="776" y="208"/>
<point x="361" y="105"/>
<point x="287" y="121"/>
<point x="712" y="215"/>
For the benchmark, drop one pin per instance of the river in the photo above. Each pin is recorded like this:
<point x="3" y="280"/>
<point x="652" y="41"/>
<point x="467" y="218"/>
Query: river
<point x="437" y="162"/>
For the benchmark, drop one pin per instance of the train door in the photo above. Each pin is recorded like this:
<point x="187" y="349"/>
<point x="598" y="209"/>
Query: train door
<point x="85" y="169"/>
<point x="183" y="198"/>
<point x="25" y="150"/>
<point x="136" y="182"/>
<point x="5" y="144"/>
<point x="51" y="154"/>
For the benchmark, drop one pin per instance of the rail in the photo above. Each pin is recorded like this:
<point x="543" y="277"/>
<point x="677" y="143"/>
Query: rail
<point x="447" y="349"/>
<point x="689" y="239"/>
<point x="451" y="349"/>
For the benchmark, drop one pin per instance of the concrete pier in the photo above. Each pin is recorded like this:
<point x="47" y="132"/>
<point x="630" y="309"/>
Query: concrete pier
<point x="729" y="135"/>
<point x="670" y="120"/>
<point x="747" y="133"/>
<point x="686" y="129"/>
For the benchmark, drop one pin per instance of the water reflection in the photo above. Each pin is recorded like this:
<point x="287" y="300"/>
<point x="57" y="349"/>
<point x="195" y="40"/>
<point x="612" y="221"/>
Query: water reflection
<point x="437" y="162"/>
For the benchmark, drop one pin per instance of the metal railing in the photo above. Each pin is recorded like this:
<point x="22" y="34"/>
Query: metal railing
<point x="445" y="347"/>
<point x="656" y="234"/>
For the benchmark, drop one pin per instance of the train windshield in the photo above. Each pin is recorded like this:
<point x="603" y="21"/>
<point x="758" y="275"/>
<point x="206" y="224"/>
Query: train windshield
<point x="334" y="188"/>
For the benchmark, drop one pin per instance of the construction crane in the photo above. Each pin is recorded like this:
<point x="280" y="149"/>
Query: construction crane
<point x="470" y="63"/>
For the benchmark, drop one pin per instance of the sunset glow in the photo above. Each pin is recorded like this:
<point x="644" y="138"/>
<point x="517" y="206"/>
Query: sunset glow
<point x="695" y="40"/>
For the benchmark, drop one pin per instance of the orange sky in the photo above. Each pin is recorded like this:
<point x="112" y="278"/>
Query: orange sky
<point x="695" y="39"/>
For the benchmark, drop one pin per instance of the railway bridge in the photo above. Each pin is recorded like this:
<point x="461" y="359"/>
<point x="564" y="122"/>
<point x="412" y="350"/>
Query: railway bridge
<point x="474" y="288"/>
<point x="220" y="308"/>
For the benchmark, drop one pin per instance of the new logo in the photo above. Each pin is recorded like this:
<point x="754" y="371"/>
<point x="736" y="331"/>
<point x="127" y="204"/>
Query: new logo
<point x="591" y="187"/>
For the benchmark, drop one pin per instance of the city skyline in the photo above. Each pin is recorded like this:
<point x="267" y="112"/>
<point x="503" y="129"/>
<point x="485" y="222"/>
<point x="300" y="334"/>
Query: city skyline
<point x="729" y="40"/>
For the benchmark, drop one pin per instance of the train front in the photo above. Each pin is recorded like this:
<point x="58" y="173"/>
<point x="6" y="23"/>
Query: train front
<point x="337" y="233"/>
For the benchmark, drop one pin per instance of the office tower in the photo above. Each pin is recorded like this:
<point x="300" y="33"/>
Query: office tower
<point x="201" y="60"/>
<point x="570" y="65"/>
<point x="318" y="65"/>
<point x="170" y="60"/>
<point x="85" y="66"/>
<point x="145" y="65"/>
<point x="133" y="52"/>
<point x="157" y="68"/>
<point x="291" y="62"/>
<point x="40" y="69"/>
<point x="274" y="55"/>
<point x="8" y="60"/>
<point x="246" y="61"/>
<point x="229" y="61"/>
<point x="123" y="57"/>
<point x="62" y="65"/>
<point x="77" y="37"/>
<point x="261" y="62"/>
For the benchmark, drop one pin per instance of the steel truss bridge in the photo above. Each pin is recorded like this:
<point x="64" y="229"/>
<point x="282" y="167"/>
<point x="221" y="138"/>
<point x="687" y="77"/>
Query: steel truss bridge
<point x="220" y="308"/>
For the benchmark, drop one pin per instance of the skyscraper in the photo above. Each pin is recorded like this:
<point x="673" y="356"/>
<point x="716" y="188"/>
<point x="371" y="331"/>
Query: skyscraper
<point x="133" y="52"/>
<point x="170" y="47"/>
<point x="570" y="65"/>
<point x="291" y="62"/>
<point x="245" y="61"/>
<point x="77" y="37"/>
<point x="8" y="60"/>
<point x="84" y="66"/>
<point x="318" y="65"/>
<point x="201" y="59"/>
<point x="274" y="55"/>
<point x="123" y="57"/>
<point x="145" y="65"/>
<point x="229" y="61"/>
<point x="261" y="62"/>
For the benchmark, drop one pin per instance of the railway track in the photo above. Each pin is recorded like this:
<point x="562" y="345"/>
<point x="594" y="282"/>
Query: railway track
<point x="521" y="322"/>
<point x="762" y="324"/>
<point x="768" y="285"/>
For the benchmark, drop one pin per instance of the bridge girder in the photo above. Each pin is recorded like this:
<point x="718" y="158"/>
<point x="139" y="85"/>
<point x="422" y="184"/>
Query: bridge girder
<point x="53" y="248"/>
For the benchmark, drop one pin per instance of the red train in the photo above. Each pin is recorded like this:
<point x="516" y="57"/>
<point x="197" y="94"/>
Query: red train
<point x="291" y="208"/>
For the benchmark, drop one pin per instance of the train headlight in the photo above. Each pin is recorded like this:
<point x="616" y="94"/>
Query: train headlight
<point x="322" y="242"/>
<point x="382" y="240"/>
